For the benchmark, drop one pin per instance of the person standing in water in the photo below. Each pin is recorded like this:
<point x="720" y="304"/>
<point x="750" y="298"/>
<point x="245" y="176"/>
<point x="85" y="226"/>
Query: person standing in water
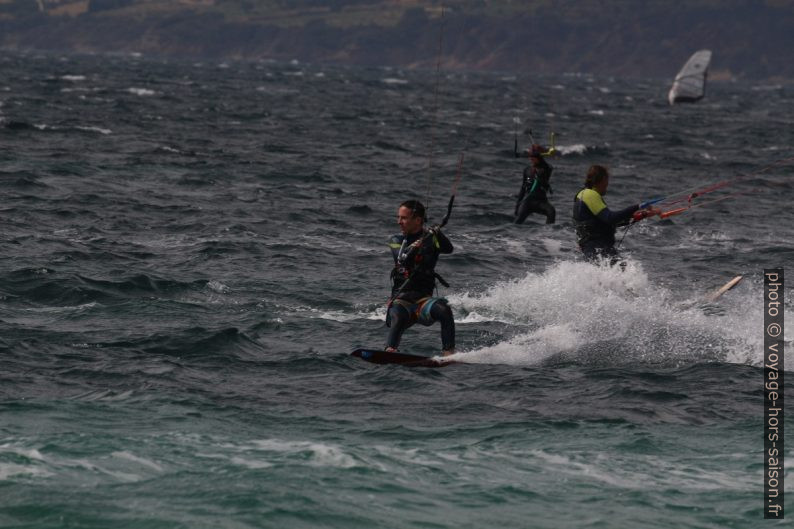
<point x="595" y="223"/>
<point x="532" y="198"/>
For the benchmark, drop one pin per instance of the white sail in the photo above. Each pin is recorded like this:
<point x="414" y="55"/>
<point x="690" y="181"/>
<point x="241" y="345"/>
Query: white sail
<point x="690" y="83"/>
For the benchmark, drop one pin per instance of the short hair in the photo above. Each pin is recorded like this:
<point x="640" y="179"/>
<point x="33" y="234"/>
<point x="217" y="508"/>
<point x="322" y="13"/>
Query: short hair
<point x="595" y="175"/>
<point x="416" y="207"/>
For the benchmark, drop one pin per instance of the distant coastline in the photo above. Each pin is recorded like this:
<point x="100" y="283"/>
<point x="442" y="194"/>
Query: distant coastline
<point x="749" y="41"/>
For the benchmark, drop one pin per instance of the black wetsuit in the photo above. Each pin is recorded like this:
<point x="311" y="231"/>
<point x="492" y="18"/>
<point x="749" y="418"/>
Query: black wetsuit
<point x="596" y="224"/>
<point x="413" y="282"/>
<point x="532" y="197"/>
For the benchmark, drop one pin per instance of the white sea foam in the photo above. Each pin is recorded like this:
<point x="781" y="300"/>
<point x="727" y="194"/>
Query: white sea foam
<point x="66" y="309"/>
<point x="128" y="456"/>
<point x="166" y="148"/>
<point x="475" y="317"/>
<point x="95" y="129"/>
<point x="339" y="315"/>
<point x="647" y="472"/>
<point x="553" y="246"/>
<point x="33" y="466"/>
<point x="120" y="466"/>
<point x="601" y="313"/>
<point x="576" y="148"/>
<point x="141" y="91"/>
<point x="253" y="464"/>
<point x="116" y="475"/>
<point x="8" y="470"/>
<point x="28" y="453"/>
<point x="217" y="286"/>
<point x="318" y="454"/>
<point x="406" y="457"/>
<point x="266" y="453"/>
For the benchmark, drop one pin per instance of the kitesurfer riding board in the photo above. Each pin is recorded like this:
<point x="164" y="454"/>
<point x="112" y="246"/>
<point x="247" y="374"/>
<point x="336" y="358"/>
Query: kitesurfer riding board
<point x="415" y="252"/>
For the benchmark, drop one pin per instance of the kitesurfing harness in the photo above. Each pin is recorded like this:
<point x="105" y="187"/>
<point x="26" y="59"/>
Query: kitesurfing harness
<point x="419" y="275"/>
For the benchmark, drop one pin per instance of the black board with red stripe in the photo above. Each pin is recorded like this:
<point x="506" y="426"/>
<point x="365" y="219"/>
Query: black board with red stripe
<point x="378" y="356"/>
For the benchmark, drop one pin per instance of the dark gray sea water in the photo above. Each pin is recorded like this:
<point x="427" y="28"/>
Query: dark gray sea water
<point x="191" y="250"/>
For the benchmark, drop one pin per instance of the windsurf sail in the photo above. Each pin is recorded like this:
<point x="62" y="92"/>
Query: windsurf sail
<point x="690" y="83"/>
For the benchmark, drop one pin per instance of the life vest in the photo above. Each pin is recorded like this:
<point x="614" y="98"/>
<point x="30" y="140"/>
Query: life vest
<point x="415" y="264"/>
<point x="536" y="181"/>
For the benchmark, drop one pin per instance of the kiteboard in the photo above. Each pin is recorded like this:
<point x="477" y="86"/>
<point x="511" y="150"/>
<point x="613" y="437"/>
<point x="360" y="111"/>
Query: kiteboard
<point x="723" y="289"/>
<point x="377" y="356"/>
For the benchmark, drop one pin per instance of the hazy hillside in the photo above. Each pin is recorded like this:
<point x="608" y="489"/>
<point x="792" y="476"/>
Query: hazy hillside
<point x="613" y="37"/>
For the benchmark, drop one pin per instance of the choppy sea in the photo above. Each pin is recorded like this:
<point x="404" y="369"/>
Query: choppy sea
<point x="190" y="251"/>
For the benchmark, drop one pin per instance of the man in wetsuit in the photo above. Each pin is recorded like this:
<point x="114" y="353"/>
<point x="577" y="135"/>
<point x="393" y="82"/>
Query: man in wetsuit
<point x="595" y="223"/>
<point x="532" y="197"/>
<point x="415" y="251"/>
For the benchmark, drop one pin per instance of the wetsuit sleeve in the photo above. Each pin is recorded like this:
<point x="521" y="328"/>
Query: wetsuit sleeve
<point x="442" y="243"/>
<point x="595" y="203"/>
<point x="617" y="217"/>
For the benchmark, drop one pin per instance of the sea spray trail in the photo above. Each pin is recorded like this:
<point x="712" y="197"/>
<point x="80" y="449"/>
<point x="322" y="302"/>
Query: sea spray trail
<point x="580" y="312"/>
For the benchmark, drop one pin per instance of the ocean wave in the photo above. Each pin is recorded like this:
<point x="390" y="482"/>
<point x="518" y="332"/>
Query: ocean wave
<point x="47" y="287"/>
<point x="196" y="343"/>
